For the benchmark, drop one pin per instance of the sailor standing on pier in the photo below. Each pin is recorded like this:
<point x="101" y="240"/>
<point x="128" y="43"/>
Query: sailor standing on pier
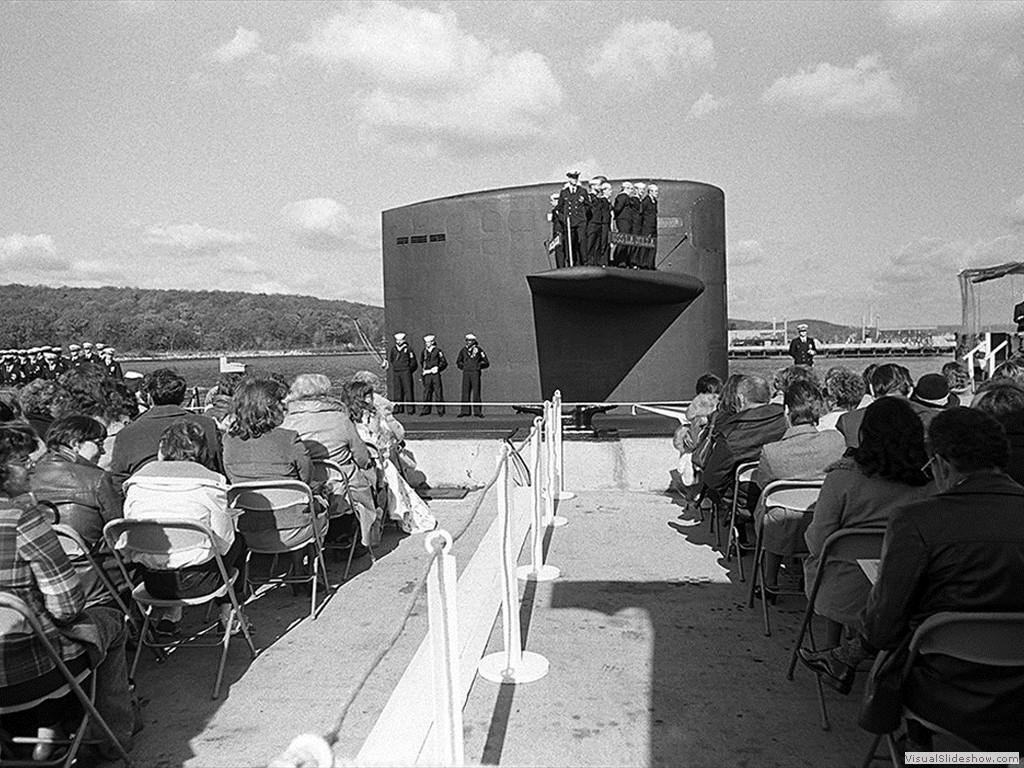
<point x="432" y="363"/>
<point x="803" y="348"/>
<point x="402" y="362"/>
<point x="471" y="361"/>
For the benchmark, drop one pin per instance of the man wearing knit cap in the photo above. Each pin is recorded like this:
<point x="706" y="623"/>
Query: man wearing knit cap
<point x="471" y="361"/>
<point x="402" y="362"/>
<point x="932" y="391"/>
<point x="432" y="364"/>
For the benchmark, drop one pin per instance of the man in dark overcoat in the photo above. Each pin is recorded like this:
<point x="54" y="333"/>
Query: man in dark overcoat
<point x="572" y="211"/>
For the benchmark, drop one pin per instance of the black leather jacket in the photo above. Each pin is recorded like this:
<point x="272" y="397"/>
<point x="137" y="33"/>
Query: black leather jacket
<point x="84" y="494"/>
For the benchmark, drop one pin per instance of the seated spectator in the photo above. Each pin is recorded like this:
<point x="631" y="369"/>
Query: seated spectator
<point x="1012" y="369"/>
<point x="739" y="437"/>
<point x="323" y="424"/>
<point x="932" y="392"/>
<point x="84" y="494"/>
<point x="889" y="380"/>
<point x="882" y="473"/>
<point x="43" y="401"/>
<point x="868" y="398"/>
<point x="11" y="402"/>
<point x="179" y="485"/>
<point x="845" y="391"/>
<point x="383" y="409"/>
<point x="400" y="501"/>
<point x="36" y="570"/>
<point x="217" y="403"/>
<point x="137" y="444"/>
<point x="958" y="379"/>
<point x="1003" y="400"/>
<point x="784" y="377"/>
<point x="704" y="403"/>
<point x="803" y="453"/>
<point x="961" y="549"/>
<point x="256" y="447"/>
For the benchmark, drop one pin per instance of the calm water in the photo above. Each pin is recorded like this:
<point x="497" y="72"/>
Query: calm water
<point x="204" y="372"/>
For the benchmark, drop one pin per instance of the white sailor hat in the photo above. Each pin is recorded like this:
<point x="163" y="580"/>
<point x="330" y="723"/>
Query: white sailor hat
<point x="802" y="327"/>
<point x="470" y="336"/>
<point x="86" y="345"/>
<point x="399" y="337"/>
<point x="429" y="338"/>
<point x="74" y="347"/>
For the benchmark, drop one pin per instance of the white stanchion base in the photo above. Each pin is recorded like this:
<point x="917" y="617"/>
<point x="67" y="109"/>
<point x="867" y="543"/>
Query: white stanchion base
<point x="554" y="522"/>
<point x="565" y="495"/>
<point x="543" y="573"/>
<point x="493" y="667"/>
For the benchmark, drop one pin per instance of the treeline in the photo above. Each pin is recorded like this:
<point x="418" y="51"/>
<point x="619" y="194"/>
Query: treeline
<point x="150" y="321"/>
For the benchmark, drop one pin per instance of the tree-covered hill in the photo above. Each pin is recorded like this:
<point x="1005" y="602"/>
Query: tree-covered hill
<point x="146" y="321"/>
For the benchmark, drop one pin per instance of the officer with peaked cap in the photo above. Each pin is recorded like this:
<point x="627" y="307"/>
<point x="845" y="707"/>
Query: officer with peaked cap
<point x="572" y="212"/>
<point x="803" y="348"/>
<point x="432" y="365"/>
<point x="471" y="360"/>
<point x="110" y="365"/>
<point x="402" y="362"/>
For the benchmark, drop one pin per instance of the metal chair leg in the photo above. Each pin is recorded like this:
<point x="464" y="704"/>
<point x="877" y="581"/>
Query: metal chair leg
<point x="869" y="758"/>
<point x="808" y="617"/>
<point x="224" y="650"/>
<point x="142" y="641"/>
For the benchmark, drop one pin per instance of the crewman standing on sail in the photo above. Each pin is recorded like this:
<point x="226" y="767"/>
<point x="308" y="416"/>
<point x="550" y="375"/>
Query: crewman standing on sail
<point x="572" y="213"/>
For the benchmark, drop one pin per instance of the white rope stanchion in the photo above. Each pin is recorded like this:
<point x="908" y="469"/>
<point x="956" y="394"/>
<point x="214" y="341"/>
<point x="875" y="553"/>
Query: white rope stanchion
<point x="563" y="495"/>
<point x="307" y="750"/>
<point x="551" y="520"/>
<point x="513" y="665"/>
<point x="537" y="570"/>
<point x="444" y="638"/>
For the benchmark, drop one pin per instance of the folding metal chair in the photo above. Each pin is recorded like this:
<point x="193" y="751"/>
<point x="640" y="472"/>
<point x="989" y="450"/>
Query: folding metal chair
<point x="269" y="506"/>
<point x="73" y="684"/>
<point x="846" y="545"/>
<point x="987" y="638"/>
<point x="326" y="470"/>
<point x="797" y="495"/>
<point x="130" y="539"/>
<point x="78" y="551"/>
<point x="743" y="473"/>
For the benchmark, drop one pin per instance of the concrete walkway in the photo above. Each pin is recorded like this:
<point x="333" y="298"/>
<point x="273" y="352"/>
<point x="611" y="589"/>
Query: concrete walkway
<point x="655" y="659"/>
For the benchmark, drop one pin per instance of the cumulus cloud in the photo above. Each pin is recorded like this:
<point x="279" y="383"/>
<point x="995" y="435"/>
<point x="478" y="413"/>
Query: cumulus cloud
<point x="930" y="14"/>
<point x="957" y="41"/>
<point x="646" y="50"/>
<point x="745" y="253"/>
<point x="863" y="90"/>
<point x="323" y="224"/>
<point x="417" y="74"/>
<point x="244" y="43"/>
<point x="1017" y="212"/>
<point x="17" y="244"/>
<point x="194" y="239"/>
<point x="920" y="280"/>
<point x="704" y="106"/>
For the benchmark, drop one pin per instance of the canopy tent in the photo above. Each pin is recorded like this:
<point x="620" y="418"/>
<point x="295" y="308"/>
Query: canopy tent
<point x="972" y="323"/>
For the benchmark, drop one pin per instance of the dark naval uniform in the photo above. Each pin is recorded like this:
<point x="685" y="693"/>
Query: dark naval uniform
<point x="402" y="362"/>
<point x="598" y="229"/>
<point x="625" y="221"/>
<point x="471" y="361"/>
<point x="433" y="388"/>
<point x="571" y="212"/>
<point x="113" y="369"/>
<point x="648" y="226"/>
<point x="803" y="352"/>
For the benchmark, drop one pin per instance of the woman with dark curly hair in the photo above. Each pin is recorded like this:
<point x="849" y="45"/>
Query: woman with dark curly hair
<point x="884" y="472"/>
<point x="256" y="447"/>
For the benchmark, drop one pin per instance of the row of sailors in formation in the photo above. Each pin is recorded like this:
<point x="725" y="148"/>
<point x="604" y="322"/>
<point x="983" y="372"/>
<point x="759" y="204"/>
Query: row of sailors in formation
<point x="582" y="221"/>
<point x="20" y="366"/>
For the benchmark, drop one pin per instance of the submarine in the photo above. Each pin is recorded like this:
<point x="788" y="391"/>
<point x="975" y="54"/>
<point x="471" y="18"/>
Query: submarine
<point x="478" y="263"/>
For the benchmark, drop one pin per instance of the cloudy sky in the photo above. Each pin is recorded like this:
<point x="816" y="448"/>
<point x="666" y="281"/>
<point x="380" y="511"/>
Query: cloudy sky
<point x="867" y="150"/>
